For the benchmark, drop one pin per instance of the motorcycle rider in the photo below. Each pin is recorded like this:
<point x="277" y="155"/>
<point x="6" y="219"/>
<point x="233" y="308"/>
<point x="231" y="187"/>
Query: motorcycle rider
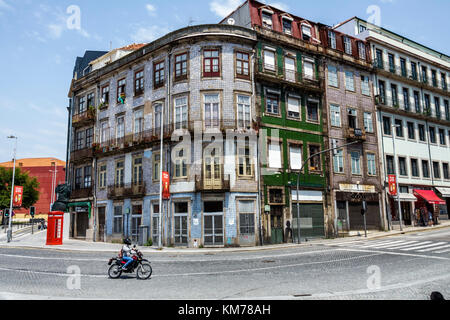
<point x="126" y="253"/>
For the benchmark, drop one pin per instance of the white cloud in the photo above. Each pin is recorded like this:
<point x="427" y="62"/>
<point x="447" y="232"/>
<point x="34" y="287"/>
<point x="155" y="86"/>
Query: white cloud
<point x="151" y="9"/>
<point x="224" y="8"/>
<point x="4" y="5"/>
<point x="55" y="31"/>
<point x="148" y="34"/>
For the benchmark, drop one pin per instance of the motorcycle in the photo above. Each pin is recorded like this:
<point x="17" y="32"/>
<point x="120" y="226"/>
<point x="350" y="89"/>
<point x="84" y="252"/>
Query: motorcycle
<point x="141" y="265"/>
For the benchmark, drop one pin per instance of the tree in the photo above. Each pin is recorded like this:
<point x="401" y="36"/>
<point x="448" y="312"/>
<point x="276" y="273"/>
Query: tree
<point x="30" y="187"/>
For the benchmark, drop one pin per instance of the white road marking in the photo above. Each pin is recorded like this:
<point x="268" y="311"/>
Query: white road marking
<point x="407" y="245"/>
<point x="443" y="251"/>
<point x="424" y="246"/>
<point x="395" y="253"/>
<point x="389" y="244"/>
<point x="432" y="249"/>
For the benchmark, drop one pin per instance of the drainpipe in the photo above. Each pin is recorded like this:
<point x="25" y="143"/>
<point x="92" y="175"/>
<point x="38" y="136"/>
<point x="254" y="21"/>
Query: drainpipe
<point x="168" y="152"/>
<point x="69" y="136"/>
<point x="429" y="153"/>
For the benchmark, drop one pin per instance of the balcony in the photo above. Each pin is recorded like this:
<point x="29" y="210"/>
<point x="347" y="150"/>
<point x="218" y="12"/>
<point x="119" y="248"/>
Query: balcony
<point x="213" y="185"/>
<point x="82" y="154"/>
<point x="84" y="118"/>
<point x="355" y="134"/>
<point x="81" y="193"/>
<point x="276" y="197"/>
<point x="126" y="191"/>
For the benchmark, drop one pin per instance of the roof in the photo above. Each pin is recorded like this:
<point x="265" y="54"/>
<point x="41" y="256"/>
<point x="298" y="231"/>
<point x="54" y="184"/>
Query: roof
<point x="133" y="46"/>
<point x="81" y="63"/>
<point x="33" y="162"/>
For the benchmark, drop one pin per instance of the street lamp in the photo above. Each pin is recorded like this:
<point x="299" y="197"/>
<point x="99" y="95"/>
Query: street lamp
<point x="53" y="196"/>
<point x="394" y="126"/>
<point x="9" y="234"/>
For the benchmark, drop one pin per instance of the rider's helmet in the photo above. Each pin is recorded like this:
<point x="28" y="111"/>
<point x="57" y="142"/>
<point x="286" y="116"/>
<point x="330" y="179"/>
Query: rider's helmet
<point x="127" y="241"/>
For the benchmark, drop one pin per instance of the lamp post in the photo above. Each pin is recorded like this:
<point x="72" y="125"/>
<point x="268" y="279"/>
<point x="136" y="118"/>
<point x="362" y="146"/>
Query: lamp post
<point x="9" y="234"/>
<point x="298" y="179"/>
<point x="395" y="126"/>
<point x="53" y="196"/>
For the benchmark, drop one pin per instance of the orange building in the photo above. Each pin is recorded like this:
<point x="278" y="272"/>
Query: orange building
<point x="44" y="170"/>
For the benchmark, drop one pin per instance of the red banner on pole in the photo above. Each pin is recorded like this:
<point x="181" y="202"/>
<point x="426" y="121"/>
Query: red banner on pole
<point x="166" y="185"/>
<point x="18" y="196"/>
<point x="392" y="184"/>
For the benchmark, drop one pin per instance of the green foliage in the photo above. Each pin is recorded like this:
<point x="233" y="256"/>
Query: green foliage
<point x="149" y="243"/>
<point x="30" y="187"/>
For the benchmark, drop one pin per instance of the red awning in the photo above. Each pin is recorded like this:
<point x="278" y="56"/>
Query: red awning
<point x="429" y="196"/>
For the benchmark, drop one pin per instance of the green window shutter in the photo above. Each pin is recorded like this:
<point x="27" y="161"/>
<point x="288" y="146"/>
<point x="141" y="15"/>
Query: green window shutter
<point x="300" y="66"/>
<point x="259" y="52"/>
<point x="316" y="63"/>
<point x="280" y="61"/>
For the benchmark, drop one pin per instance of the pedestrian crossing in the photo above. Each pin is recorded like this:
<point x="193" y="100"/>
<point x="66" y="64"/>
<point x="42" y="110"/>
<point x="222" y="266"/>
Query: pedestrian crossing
<point x="399" y="245"/>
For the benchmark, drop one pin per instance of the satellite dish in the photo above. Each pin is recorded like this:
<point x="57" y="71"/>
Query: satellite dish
<point x="231" y="21"/>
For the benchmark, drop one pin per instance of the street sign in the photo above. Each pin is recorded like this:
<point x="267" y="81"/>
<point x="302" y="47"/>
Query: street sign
<point x="392" y="184"/>
<point x="18" y="196"/>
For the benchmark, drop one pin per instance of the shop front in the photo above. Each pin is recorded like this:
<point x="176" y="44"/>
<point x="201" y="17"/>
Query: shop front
<point x="429" y="201"/>
<point x="407" y="205"/>
<point x="444" y="193"/>
<point x="80" y="214"/>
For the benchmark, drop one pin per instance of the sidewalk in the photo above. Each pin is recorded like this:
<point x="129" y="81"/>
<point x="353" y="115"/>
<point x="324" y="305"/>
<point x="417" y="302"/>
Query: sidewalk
<point x="38" y="239"/>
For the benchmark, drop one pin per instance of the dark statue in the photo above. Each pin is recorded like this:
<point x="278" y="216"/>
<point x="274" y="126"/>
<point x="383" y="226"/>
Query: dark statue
<point x="63" y="194"/>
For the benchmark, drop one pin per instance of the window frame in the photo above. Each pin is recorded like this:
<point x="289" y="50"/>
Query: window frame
<point x="211" y="73"/>
<point x="159" y="74"/>
<point x="238" y="61"/>
<point x="139" y="77"/>
<point x="184" y="71"/>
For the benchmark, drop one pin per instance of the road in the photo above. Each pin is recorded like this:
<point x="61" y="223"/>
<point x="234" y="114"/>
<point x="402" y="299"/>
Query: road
<point x="407" y="267"/>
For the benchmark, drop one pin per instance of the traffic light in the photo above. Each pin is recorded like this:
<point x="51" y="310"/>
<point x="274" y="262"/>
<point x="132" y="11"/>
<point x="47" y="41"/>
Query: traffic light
<point x="32" y="211"/>
<point x="6" y="213"/>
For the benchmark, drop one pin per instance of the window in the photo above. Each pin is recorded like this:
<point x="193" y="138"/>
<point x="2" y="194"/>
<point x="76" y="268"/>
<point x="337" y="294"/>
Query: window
<point x="274" y="155"/>
<point x="411" y="130"/>
<point x="442" y="139"/>
<point x="245" y="162"/>
<point x="89" y="137"/>
<point x="272" y="105"/>
<point x="80" y="140"/>
<point x="293" y="107"/>
<point x="181" y="112"/>
<point x="87" y="177"/>
<point x="362" y="28"/>
<point x="306" y="32"/>
<point x="382" y="89"/>
<point x="362" y="50"/>
<point x="338" y="161"/>
<point x="424" y="74"/>
<point x="421" y="132"/>
<point x="181" y="66"/>
<point x="432" y="134"/>
<point x="371" y="165"/>
<point x="335" y="113"/>
<point x="139" y="83"/>
<point x="394" y="95"/>
<point x="156" y="166"/>
<point x="120" y="128"/>
<point x="269" y="60"/>
<point x="119" y="180"/>
<point x="308" y="66"/>
<point x="417" y="101"/>
<point x="104" y="137"/>
<point x="211" y="66"/>
<point x="391" y="62"/>
<point x="434" y="78"/>
<point x="443" y="81"/>
<point x="158" y="117"/>
<point x="266" y="19"/>
<point x="138" y="124"/>
<point x="312" y="109"/>
<point x="332" y="38"/>
<point x="314" y="163"/>
<point x="78" y="178"/>
<point x="295" y="156"/>
<point x="437" y="106"/>
<point x="102" y="176"/>
<point x="356" y="162"/>
<point x="158" y="74"/>
<point x="387" y="126"/>
<point x="390" y="165"/>
<point x="243" y="111"/>
<point x="427" y="103"/>
<point x="242" y="65"/>
<point x="402" y="166"/>
<point x="211" y="110"/>
<point x="289" y="68"/>
<point x="332" y="76"/>
<point x="368" y="122"/>
<point x="445" y="171"/>
<point x="82" y="105"/>
<point x="406" y="104"/>
<point x="403" y="66"/>
<point x="436" y="170"/>
<point x="347" y="45"/>
<point x="447" y="110"/>
<point x="121" y="89"/>
<point x="137" y="171"/>
<point x="246" y="217"/>
<point x="90" y="100"/>
<point x="105" y="95"/>
<point x="414" y="168"/>
<point x="413" y="70"/>
<point x="399" y="128"/>
<point x="349" y="81"/>
<point x="379" y="61"/>
<point x="180" y="164"/>
<point x="365" y="89"/>
<point x="287" y="25"/>
<point x="425" y="169"/>
<point x="352" y="118"/>
<point x="118" y="218"/>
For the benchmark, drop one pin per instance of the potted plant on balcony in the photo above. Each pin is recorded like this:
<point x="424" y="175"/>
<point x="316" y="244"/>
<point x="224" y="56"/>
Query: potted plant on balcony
<point x="427" y="112"/>
<point x="121" y="98"/>
<point x="396" y="106"/>
<point x="92" y="111"/>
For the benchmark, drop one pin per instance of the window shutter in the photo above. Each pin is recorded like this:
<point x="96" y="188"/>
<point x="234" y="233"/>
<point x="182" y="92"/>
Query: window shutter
<point x="280" y="60"/>
<point x="293" y="104"/>
<point x="260" y="62"/>
<point x="299" y="66"/>
<point x="295" y="155"/>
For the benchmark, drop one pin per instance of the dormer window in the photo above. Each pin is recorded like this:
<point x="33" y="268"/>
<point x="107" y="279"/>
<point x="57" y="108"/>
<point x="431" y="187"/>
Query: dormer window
<point x="287" y="24"/>
<point x="362" y="50"/>
<point x="266" y="16"/>
<point x="332" y="39"/>
<point x="306" y="32"/>
<point x="347" y="45"/>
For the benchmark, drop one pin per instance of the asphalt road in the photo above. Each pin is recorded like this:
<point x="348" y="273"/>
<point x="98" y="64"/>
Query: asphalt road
<point x="399" y="267"/>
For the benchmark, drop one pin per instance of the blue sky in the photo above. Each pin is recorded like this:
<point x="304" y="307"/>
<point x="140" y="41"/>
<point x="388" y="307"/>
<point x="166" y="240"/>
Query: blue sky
<point x="38" y="50"/>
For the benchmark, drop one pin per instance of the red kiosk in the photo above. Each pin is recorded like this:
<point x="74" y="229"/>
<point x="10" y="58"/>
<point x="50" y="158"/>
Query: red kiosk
<point x="55" y="228"/>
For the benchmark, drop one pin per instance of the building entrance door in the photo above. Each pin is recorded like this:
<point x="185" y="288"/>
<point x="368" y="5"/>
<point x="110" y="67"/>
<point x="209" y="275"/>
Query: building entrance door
<point x="82" y="224"/>
<point x="276" y="224"/>
<point x="101" y="224"/>
<point x="181" y="223"/>
<point x="213" y="222"/>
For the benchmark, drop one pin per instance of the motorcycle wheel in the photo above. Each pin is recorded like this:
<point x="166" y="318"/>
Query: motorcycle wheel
<point x="115" y="271"/>
<point x="144" y="271"/>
